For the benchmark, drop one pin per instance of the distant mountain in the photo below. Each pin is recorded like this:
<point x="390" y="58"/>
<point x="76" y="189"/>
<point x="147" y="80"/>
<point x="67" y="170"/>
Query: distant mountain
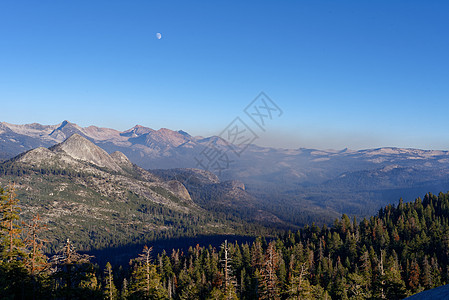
<point x="98" y="199"/>
<point x="229" y="197"/>
<point x="297" y="185"/>
<point x="144" y="146"/>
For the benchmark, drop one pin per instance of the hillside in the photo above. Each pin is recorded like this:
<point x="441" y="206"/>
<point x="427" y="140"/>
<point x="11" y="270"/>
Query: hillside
<point x="298" y="186"/>
<point x="98" y="199"/>
<point x="229" y="197"/>
<point x="399" y="252"/>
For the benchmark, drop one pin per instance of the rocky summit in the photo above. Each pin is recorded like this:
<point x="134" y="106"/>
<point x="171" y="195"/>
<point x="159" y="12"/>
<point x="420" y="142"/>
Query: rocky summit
<point x="81" y="148"/>
<point x="315" y="184"/>
<point x="85" y="194"/>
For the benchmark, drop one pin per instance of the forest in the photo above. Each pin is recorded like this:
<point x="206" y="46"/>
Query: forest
<point x="399" y="252"/>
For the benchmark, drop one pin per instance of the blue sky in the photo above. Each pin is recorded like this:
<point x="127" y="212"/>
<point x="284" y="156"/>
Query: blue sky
<point x="357" y="74"/>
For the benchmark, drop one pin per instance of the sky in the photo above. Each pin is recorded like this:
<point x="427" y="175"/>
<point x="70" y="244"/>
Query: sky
<point x="346" y="74"/>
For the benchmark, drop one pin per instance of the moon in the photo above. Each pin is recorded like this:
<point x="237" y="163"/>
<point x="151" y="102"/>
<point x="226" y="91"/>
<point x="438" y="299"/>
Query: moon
<point x="158" y="35"/>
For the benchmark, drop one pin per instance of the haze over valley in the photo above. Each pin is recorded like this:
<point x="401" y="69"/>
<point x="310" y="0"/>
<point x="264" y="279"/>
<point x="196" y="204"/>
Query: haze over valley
<point x="295" y="185"/>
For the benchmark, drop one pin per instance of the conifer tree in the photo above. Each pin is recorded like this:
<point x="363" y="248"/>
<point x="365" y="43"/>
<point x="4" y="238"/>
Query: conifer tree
<point x="14" y="280"/>
<point x="12" y="247"/>
<point x="110" y="291"/>
<point x="73" y="274"/>
<point x="229" y="290"/>
<point x="124" y="291"/>
<point x="145" y="281"/>
<point x="36" y="261"/>
<point x="269" y="283"/>
<point x="299" y="287"/>
<point x="414" y="276"/>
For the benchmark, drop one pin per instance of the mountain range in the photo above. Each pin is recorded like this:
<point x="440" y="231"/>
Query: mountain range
<point x="295" y="185"/>
<point x="102" y="199"/>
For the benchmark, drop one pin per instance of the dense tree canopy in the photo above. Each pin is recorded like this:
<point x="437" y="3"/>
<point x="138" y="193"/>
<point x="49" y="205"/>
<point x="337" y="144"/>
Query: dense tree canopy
<point x="400" y="251"/>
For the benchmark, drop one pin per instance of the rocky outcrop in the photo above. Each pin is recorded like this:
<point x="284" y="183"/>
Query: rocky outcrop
<point x="234" y="184"/>
<point x="121" y="159"/>
<point x="81" y="148"/>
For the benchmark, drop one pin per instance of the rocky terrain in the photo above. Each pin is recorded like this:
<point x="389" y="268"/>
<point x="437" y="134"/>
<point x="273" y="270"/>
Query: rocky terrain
<point x="228" y="197"/>
<point x="315" y="185"/>
<point x="84" y="193"/>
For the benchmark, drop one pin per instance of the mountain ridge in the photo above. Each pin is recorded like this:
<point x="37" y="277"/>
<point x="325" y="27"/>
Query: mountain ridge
<point x="51" y="132"/>
<point x="80" y="190"/>
<point x="309" y="181"/>
<point x="81" y="148"/>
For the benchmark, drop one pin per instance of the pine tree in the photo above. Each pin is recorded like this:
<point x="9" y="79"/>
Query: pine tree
<point x="269" y="283"/>
<point x="145" y="281"/>
<point x="426" y="276"/>
<point x="414" y="276"/>
<point x="14" y="280"/>
<point x="299" y="287"/>
<point x="110" y="291"/>
<point x="357" y="284"/>
<point x="36" y="261"/>
<point x="229" y="290"/>
<point x="12" y="247"/>
<point x="124" y="291"/>
<point x="379" y="283"/>
<point x="73" y="274"/>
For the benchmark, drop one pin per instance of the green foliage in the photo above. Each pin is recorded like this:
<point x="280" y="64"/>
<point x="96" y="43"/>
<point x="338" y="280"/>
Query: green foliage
<point x="110" y="291"/>
<point x="98" y="212"/>
<point x="11" y="245"/>
<point x="402" y="250"/>
<point x="145" y="280"/>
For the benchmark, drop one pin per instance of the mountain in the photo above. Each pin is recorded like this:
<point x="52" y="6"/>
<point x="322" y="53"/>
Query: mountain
<point x="229" y="197"/>
<point x="297" y="185"/>
<point x="85" y="194"/>
<point x="144" y="146"/>
<point x="80" y="148"/>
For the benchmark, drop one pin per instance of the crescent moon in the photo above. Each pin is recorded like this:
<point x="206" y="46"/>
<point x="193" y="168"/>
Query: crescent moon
<point x="158" y="35"/>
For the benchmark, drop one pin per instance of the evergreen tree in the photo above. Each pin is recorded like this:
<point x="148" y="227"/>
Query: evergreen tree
<point x="36" y="262"/>
<point x="229" y="290"/>
<point x="14" y="279"/>
<point x="269" y="284"/>
<point x="124" y="291"/>
<point x="110" y="291"/>
<point x="145" y="281"/>
<point x="73" y="275"/>
<point x="12" y="247"/>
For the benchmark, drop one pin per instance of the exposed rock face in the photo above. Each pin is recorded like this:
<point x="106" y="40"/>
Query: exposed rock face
<point x="78" y="184"/>
<point x="229" y="196"/>
<point x="136" y="131"/>
<point x="81" y="148"/>
<point x="235" y="184"/>
<point x="65" y="130"/>
<point x="121" y="159"/>
<point x="370" y="178"/>
<point x="76" y="149"/>
<point x="179" y="190"/>
<point x="37" y="156"/>
<point x="162" y="138"/>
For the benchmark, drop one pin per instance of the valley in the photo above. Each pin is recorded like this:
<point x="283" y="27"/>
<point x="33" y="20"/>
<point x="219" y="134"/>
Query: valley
<point x="315" y="185"/>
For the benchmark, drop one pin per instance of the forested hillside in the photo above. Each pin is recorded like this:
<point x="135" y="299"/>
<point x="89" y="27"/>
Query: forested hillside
<point x="102" y="200"/>
<point x="400" y="251"/>
<point x="298" y="186"/>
